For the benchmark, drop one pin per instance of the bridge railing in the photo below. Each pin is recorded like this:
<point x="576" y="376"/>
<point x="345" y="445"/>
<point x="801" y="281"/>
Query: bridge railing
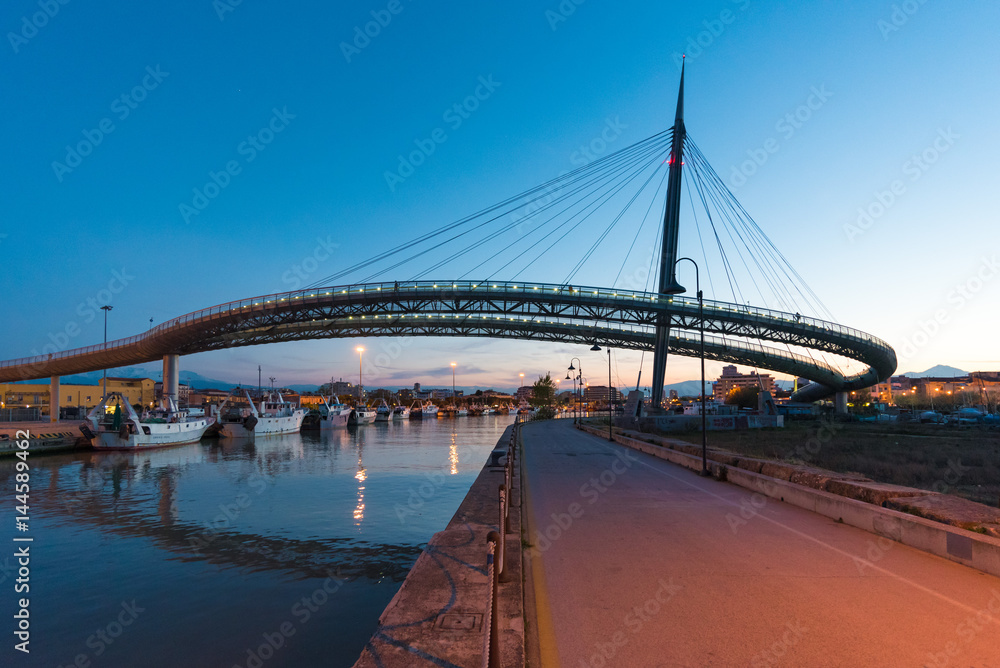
<point x="520" y="287"/>
<point x="582" y="293"/>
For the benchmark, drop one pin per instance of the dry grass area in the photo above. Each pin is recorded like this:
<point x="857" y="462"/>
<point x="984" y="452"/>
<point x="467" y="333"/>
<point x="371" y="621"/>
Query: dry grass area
<point x="961" y="461"/>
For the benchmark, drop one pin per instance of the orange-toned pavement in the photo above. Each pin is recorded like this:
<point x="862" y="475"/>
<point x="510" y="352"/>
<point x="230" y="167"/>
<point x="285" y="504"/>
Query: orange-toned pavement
<point x="637" y="562"/>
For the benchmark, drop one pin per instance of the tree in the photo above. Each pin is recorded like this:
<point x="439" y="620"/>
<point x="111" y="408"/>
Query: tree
<point x="543" y="391"/>
<point x="744" y="397"/>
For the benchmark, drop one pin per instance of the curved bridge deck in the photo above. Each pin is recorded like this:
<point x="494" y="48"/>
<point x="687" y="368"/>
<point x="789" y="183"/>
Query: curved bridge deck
<point x="533" y="311"/>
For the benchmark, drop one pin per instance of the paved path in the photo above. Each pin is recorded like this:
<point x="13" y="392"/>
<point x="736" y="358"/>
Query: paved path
<point x="637" y="562"/>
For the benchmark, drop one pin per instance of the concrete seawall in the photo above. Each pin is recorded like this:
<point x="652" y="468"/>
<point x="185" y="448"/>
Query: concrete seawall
<point x="440" y="615"/>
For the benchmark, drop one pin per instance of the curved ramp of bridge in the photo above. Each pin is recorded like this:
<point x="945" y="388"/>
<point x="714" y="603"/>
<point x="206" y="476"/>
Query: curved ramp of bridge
<point x="533" y="311"/>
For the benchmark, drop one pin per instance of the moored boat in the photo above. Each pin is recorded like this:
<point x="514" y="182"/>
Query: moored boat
<point x="362" y="415"/>
<point x="123" y="429"/>
<point x="400" y="413"/>
<point x="273" y="416"/>
<point x="382" y="411"/>
<point x="332" y="416"/>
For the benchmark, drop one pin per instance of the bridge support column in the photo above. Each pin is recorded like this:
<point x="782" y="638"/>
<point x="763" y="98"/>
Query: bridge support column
<point x="54" y="399"/>
<point x="171" y="377"/>
<point x="840" y="403"/>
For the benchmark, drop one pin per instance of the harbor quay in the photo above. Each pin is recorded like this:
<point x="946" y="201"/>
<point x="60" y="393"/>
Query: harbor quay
<point x="632" y="560"/>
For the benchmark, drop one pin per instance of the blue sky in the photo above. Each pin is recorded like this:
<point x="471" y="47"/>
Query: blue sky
<point x="887" y="82"/>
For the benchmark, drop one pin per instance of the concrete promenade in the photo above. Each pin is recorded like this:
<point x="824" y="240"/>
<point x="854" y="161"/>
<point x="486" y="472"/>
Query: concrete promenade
<point x="634" y="561"/>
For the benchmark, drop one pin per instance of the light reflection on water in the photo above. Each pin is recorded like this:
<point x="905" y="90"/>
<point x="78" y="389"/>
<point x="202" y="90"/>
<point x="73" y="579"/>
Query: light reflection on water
<point x="222" y="542"/>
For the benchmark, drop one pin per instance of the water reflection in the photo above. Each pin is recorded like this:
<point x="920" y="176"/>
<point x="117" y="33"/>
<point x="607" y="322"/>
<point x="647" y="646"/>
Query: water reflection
<point x="237" y="517"/>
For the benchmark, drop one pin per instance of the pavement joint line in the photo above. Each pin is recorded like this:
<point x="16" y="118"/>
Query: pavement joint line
<point x="548" y="650"/>
<point x="916" y="585"/>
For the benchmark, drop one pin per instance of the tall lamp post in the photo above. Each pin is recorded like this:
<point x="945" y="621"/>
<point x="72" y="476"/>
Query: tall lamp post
<point x="361" y="390"/>
<point x="701" y="330"/>
<point x="611" y="432"/>
<point x="576" y="377"/>
<point x="106" y="308"/>
<point x="454" y="399"/>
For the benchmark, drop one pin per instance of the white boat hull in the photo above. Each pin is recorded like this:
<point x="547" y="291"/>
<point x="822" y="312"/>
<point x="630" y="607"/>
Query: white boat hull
<point x="333" y="421"/>
<point x="161" y="435"/>
<point x="266" y="426"/>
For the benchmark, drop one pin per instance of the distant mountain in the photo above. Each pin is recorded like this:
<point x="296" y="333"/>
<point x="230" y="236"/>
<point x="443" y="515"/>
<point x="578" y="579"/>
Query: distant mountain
<point x="939" y="371"/>
<point x="687" y="388"/>
<point x="196" y="381"/>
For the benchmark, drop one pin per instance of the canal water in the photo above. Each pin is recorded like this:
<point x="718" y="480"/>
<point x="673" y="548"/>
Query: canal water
<point x="279" y="552"/>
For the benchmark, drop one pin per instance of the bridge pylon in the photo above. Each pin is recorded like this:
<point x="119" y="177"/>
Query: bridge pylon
<point x="668" y="284"/>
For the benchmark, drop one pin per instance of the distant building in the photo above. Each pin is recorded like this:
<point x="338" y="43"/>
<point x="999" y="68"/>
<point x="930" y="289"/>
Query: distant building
<point x="209" y="396"/>
<point x="183" y="391"/>
<point x="525" y="393"/>
<point x="732" y="379"/>
<point x="341" y="387"/>
<point x="139" y="390"/>
<point x="599" y="394"/>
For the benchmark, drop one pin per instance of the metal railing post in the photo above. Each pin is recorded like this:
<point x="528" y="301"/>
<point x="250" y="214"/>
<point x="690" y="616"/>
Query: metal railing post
<point x="491" y="644"/>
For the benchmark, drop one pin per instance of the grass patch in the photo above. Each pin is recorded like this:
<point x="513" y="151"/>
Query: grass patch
<point x="964" y="462"/>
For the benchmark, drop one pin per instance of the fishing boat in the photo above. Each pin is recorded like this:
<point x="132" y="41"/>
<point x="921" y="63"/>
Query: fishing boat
<point x="362" y="415"/>
<point x="400" y="413"/>
<point x="121" y="428"/>
<point x="332" y="416"/>
<point x="429" y="410"/>
<point x="382" y="411"/>
<point x="417" y="411"/>
<point x="273" y="416"/>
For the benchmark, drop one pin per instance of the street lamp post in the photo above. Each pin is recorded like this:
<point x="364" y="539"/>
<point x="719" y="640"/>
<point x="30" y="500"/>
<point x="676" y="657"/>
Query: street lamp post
<point x="454" y="398"/>
<point x="611" y="432"/>
<point x="701" y="330"/>
<point x="106" y="308"/>
<point x="361" y="386"/>
<point x="579" y="376"/>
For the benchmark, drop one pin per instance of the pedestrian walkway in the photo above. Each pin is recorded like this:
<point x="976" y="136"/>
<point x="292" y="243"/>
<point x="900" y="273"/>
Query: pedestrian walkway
<point x="637" y="562"/>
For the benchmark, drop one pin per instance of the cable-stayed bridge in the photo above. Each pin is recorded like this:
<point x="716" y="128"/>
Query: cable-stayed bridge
<point x="657" y="320"/>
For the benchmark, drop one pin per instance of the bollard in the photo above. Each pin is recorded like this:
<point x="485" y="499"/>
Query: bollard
<point x="491" y="644"/>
